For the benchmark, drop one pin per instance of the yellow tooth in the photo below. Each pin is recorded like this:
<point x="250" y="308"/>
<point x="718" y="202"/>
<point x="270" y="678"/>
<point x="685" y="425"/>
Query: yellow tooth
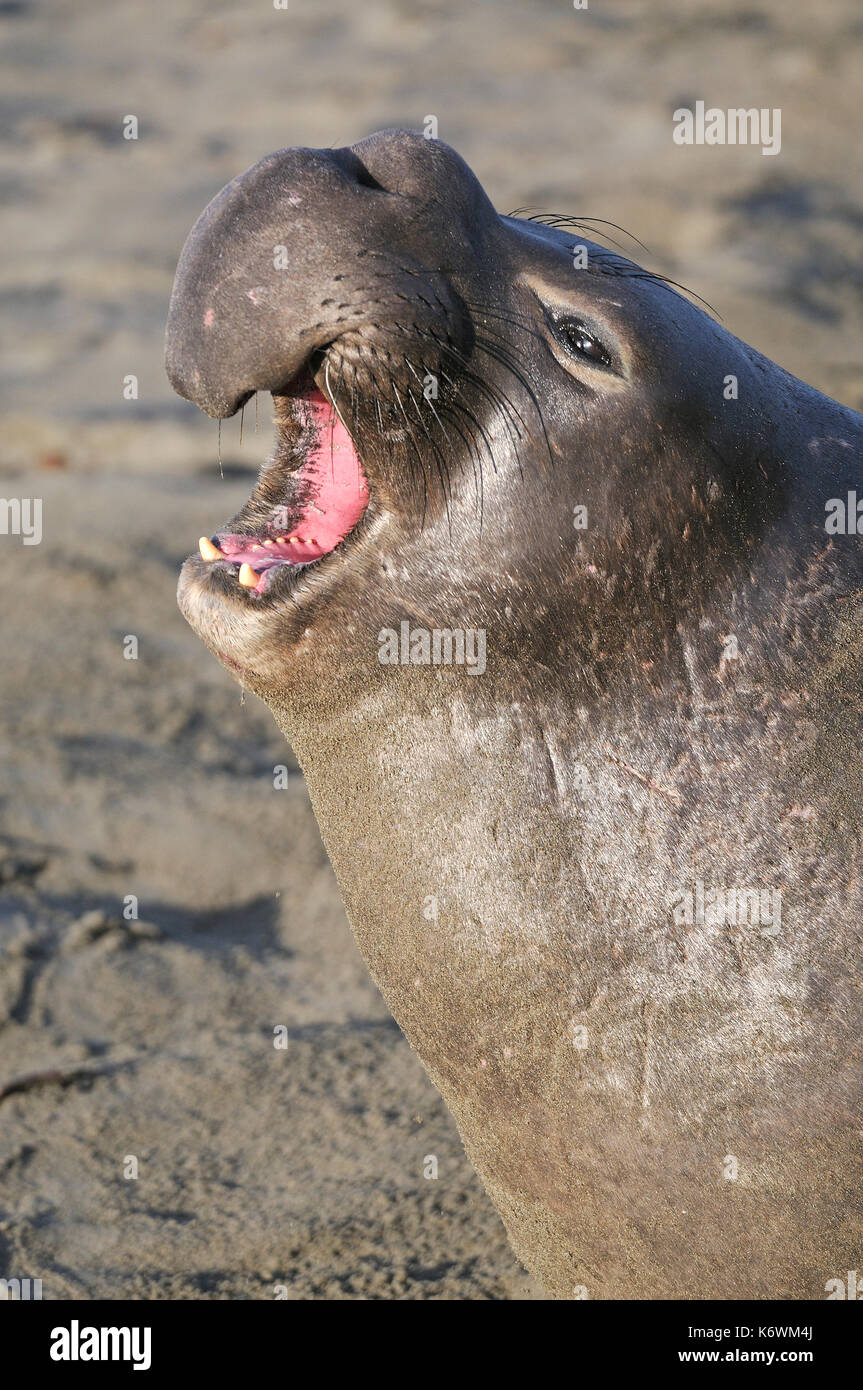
<point x="208" y="550"/>
<point x="247" y="577"/>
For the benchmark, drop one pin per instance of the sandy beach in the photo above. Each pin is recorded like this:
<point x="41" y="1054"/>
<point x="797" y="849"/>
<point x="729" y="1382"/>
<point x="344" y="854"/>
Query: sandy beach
<point x="152" y="1037"/>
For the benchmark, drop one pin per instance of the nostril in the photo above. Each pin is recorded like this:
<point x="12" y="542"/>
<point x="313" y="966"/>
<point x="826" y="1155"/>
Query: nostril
<point x="366" y="180"/>
<point x="356" y="170"/>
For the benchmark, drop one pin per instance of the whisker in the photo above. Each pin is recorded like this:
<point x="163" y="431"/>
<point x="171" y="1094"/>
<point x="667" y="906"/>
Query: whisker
<point x="419" y="456"/>
<point x="470" y="443"/>
<point x="557" y="219"/>
<point x="505" y="360"/>
<point x="627" y="270"/>
<point x="498" y="397"/>
<point x="443" y="471"/>
<point x="422" y="472"/>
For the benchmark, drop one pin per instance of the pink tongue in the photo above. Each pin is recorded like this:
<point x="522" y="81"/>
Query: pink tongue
<point x="337" y="493"/>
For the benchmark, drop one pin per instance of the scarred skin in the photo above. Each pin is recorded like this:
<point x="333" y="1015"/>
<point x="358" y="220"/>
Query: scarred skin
<point x="672" y="694"/>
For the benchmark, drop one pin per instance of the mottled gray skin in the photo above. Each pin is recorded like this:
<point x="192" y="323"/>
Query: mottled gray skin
<point x="511" y="846"/>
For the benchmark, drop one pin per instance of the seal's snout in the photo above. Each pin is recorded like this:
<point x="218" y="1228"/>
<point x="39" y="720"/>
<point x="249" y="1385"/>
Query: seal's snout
<point x="310" y="247"/>
<point x="242" y="293"/>
<point x="328" y="278"/>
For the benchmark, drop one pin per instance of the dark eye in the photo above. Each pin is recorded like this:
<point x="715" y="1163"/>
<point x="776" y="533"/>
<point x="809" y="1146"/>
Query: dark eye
<point x="578" y="341"/>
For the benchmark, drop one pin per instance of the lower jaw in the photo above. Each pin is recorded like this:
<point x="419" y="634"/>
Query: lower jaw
<point x="335" y="496"/>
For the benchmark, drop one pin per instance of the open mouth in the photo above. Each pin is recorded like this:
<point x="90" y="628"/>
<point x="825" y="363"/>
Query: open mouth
<point x="309" y="497"/>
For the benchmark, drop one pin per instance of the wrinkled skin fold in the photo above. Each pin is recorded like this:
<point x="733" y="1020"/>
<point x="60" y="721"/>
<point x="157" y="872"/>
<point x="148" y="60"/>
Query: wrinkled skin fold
<point x="671" y="697"/>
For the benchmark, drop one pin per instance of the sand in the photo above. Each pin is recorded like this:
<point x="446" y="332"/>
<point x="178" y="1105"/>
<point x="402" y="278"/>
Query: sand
<point x="303" y="1166"/>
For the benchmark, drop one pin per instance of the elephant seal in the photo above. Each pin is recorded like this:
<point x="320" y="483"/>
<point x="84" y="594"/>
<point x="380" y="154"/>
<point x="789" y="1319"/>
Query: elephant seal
<point x="544" y="581"/>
